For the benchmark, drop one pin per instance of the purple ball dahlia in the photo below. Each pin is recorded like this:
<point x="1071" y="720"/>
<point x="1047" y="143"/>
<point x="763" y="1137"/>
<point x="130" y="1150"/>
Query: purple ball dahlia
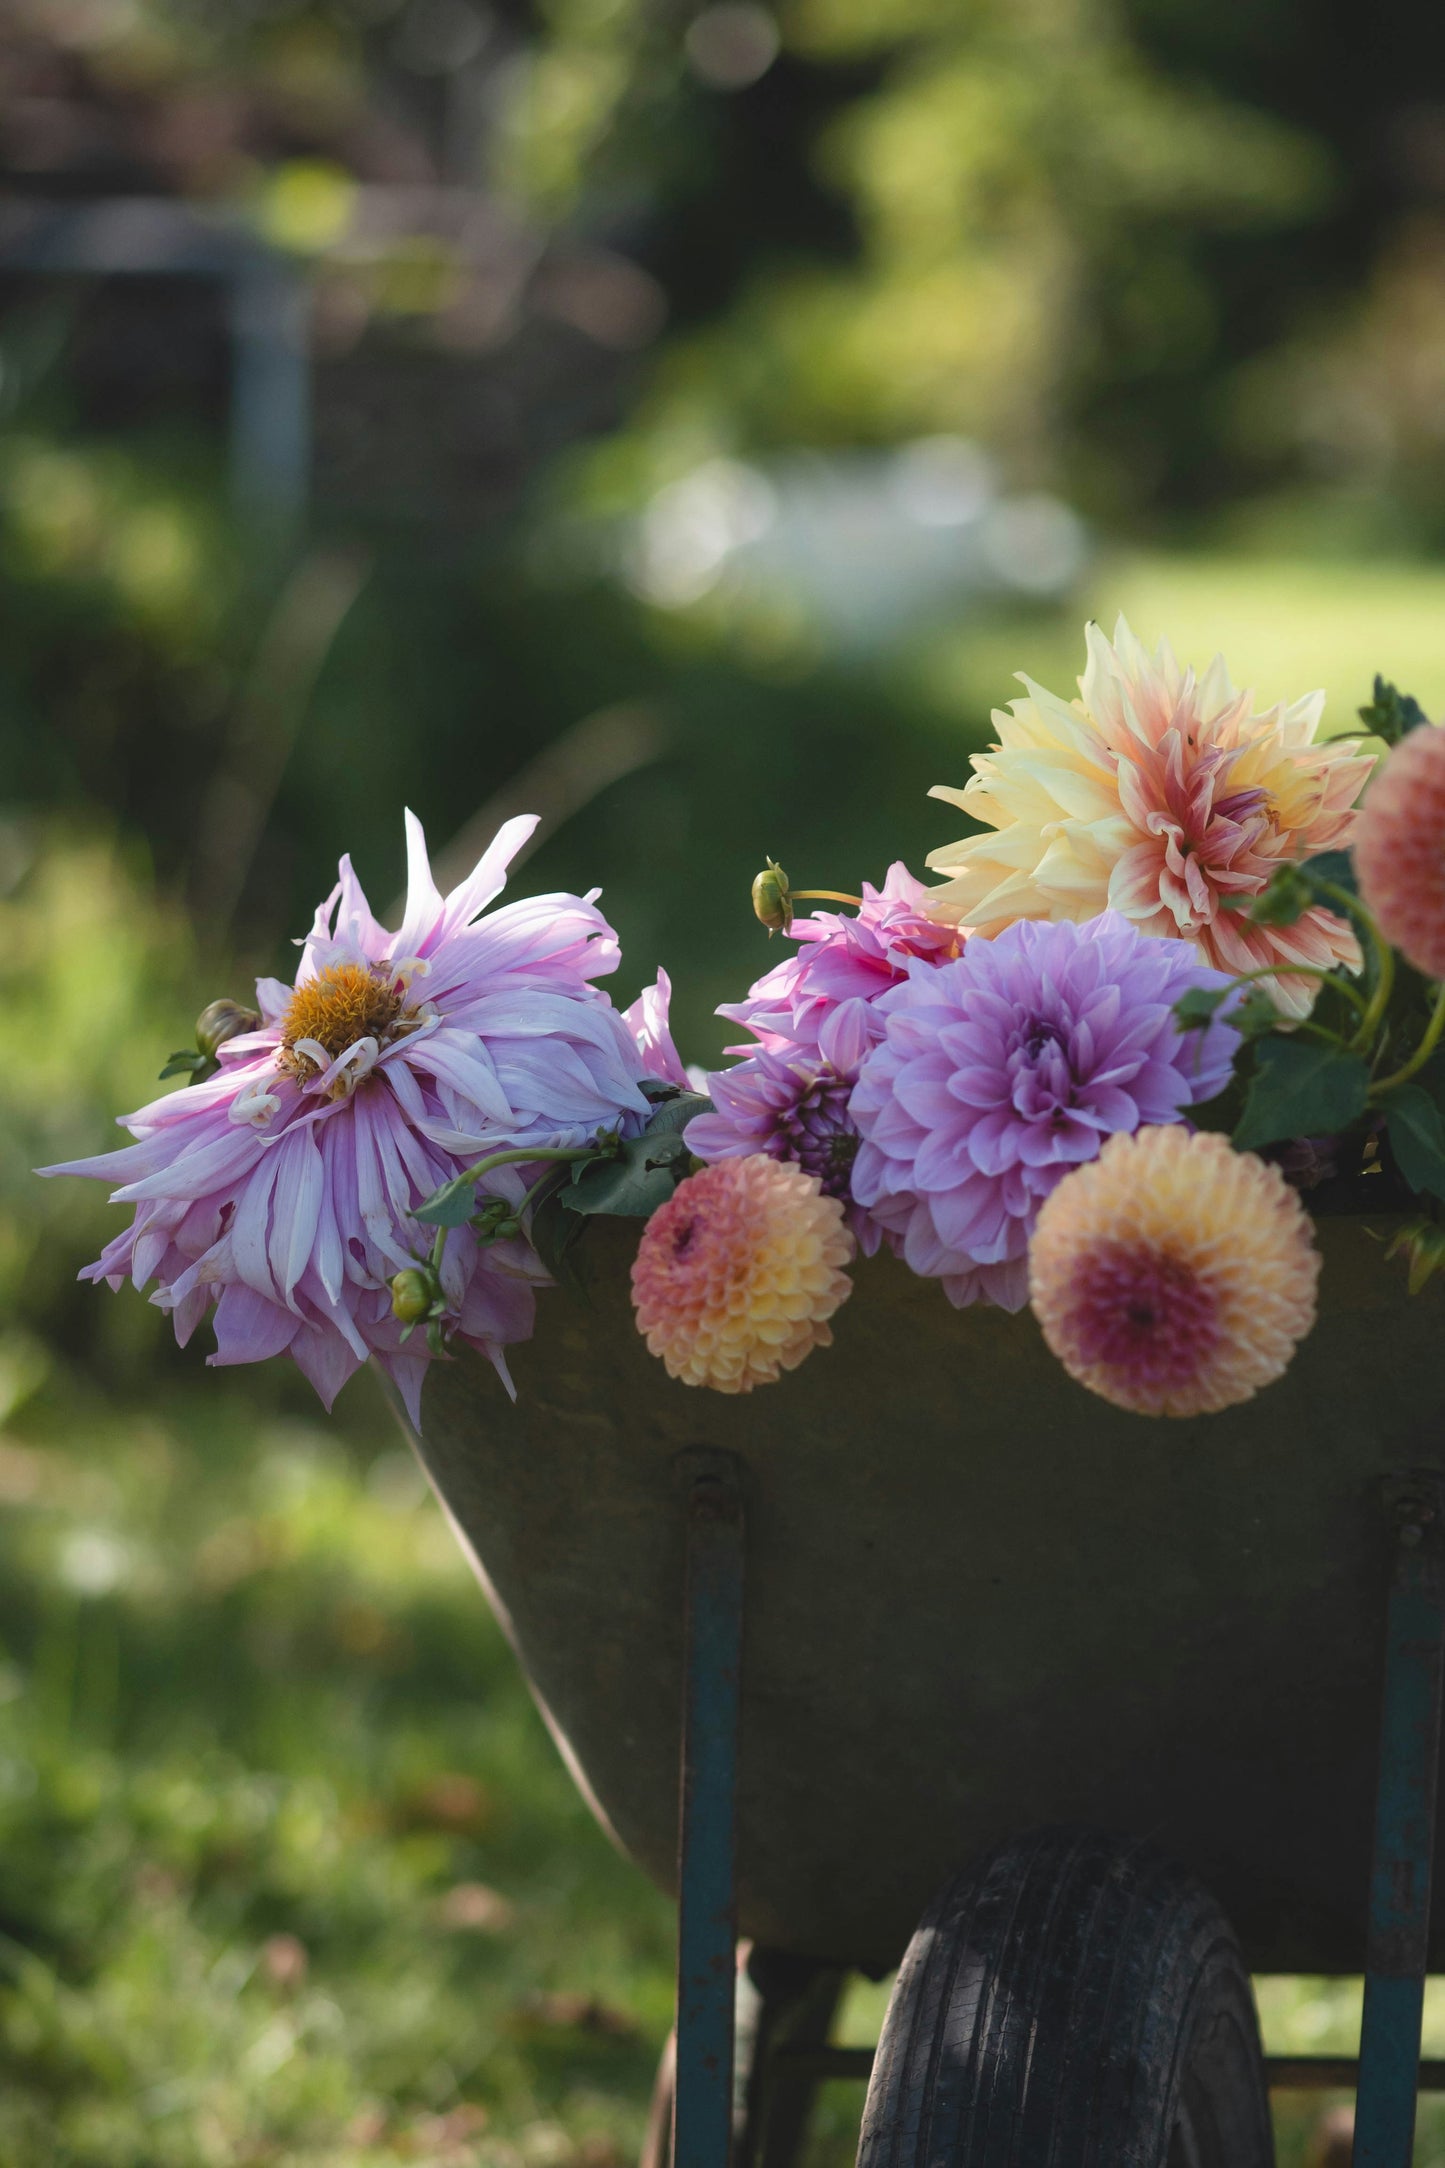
<point x="999" y="1071"/>
<point x="814" y="1017"/>
<point x="282" y="1189"/>
<point x="788" y="1108"/>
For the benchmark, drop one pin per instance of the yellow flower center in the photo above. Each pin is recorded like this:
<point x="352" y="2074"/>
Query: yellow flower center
<point x="342" y="1004"/>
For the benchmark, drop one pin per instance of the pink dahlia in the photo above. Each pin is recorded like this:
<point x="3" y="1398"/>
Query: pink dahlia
<point x="844" y="963"/>
<point x="814" y="1018"/>
<point x="1000" y="1071"/>
<point x="282" y="1189"/>
<point x="1400" y="849"/>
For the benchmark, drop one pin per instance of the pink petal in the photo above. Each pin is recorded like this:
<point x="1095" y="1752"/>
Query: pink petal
<point x="248" y="1328"/>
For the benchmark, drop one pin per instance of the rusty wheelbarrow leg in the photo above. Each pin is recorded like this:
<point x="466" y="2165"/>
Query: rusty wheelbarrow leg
<point x="1404" y="1829"/>
<point x="707" y="1931"/>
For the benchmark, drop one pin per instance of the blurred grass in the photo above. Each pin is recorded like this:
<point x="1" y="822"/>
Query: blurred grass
<point x="289" y="1870"/>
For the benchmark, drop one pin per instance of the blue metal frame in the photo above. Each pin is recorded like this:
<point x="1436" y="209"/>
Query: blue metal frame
<point x="1389" y="2069"/>
<point x="1399" y="1926"/>
<point x="707" y="1926"/>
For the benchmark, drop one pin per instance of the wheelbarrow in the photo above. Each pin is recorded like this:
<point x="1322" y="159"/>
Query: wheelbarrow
<point x="930" y="1632"/>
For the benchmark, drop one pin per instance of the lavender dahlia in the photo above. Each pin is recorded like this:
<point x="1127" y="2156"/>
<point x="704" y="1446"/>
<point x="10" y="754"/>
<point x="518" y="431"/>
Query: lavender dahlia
<point x="999" y="1071"/>
<point x="282" y="1189"/>
<point x="814" y="1018"/>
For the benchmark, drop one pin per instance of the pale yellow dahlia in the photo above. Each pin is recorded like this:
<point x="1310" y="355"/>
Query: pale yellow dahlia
<point x="1172" y="1274"/>
<point x="1160" y="795"/>
<point x="738" y="1273"/>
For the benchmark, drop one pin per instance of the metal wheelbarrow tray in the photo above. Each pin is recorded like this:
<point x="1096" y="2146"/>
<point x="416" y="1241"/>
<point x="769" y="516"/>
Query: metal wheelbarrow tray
<point x="978" y="1599"/>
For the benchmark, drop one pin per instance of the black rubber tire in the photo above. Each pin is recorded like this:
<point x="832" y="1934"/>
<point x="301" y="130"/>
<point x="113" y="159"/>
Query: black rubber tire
<point x="1075" y="2001"/>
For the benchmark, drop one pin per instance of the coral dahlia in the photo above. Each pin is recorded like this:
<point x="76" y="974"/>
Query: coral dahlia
<point x="1000" y="1071"/>
<point x="1400" y="849"/>
<point x="1163" y="796"/>
<point x="282" y="1189"/>
<point x="1174" y="1275"/>
<point x="738" y="1273"/>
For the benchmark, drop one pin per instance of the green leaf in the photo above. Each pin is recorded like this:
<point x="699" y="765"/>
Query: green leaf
<point x="674" y="1115"/>
<point x="1251" y="1013"/>
<point x="1391" y="715"/>
<point x="450" y="1206"/>
<point x="189" y="1063"/>
<point x="647" y="1169"/>
<point x="1335" y="867"/>
<point x="1254" y="1014"/>
<point x="1291" y="890"/>
<point x="1417" y="1138"/>
<point x="1285" y="897"/>
<point x="1199" y="1006"/>
<point x="632" y="1186"/>
<point x="1301" y="1089"/>
<point x="554" y="1232"/>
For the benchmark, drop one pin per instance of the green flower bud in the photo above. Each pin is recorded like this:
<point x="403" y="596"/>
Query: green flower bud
<point x="497" y="1221"/>
<point x="1422" y="1244"/>
<point x="223" y="1020"/>
<point x="412" y="1295"/>
<point x="772" y="898"/>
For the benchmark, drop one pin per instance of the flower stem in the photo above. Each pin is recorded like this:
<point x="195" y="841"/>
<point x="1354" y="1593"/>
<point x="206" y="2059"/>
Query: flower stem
<point x="1352" y="908"/>
<point x="825" y="895"/>
<point x="1422" y="1052"/>
<point x="1304" y="971"/>
<point x="540" y="1183"/>
<point x="522" y="1155"/>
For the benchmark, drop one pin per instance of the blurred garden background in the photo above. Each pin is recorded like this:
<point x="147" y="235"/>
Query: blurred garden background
<point x="680" y="418"/>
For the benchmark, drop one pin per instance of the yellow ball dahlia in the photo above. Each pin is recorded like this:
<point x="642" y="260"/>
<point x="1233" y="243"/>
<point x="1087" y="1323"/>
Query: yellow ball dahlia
<point x="738" y="1273"/>
<point x="1173" y="1275"/>
<point x="1161" y="795"/>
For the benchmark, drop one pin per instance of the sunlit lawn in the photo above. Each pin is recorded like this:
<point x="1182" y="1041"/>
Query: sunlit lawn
<point x="289" y="1870"/>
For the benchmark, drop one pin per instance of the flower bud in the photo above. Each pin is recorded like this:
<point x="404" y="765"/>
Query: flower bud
<point x="772" y="898"/>
<point x="223" y="1020"/>
<point x="412" y="1295"/>
<point x="497" y="1221"/>
<point x="1422" y="1244"/>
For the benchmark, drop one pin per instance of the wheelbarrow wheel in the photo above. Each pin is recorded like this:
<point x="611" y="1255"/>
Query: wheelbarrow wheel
<point x="1076" y="2001"/>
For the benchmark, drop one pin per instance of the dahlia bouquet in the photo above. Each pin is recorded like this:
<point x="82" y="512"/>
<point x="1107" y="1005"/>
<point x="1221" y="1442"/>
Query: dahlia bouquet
<point x="1180" y="993"/>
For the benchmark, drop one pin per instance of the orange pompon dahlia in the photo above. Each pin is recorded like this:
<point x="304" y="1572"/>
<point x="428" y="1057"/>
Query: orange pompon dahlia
<point x="1400" y="849"/>
<point x="738" y="1273"/>
<point x="1173" y="1275"/>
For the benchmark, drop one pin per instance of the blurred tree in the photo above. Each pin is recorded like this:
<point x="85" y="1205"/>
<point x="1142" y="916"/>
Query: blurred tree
<point x="1166" y="259"/>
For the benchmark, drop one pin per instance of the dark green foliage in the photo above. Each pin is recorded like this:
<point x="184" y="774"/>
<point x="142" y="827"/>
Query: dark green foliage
<point x="1199" y="1006"/>
<point x="1301" y="1088"/>
<point x="453" y="1205"/>
<point x="1293" y="889"/>
<point x="646" y="1171"/>
<point x="1417" y="1137"/>
<point x="190" y="1064"/>
<point x="1251" y="1011"/>
<point x="1391" y="715"/>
